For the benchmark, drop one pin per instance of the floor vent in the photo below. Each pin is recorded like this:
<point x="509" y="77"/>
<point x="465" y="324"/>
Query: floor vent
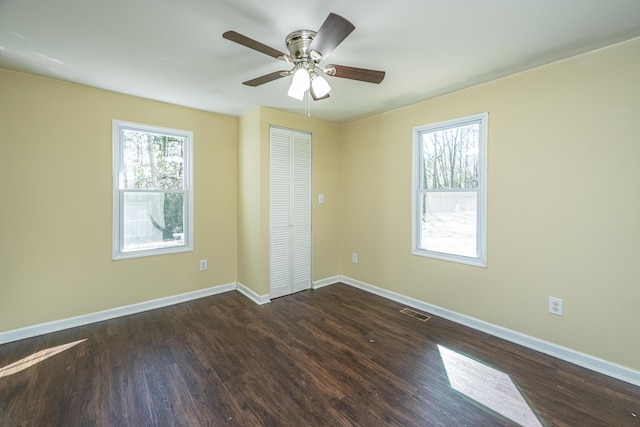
<point x="415" y="314"/>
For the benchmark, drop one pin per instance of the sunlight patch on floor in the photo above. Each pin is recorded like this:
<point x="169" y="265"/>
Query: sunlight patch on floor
<point x="35" y="358"/>
<point x="487" y="386"/>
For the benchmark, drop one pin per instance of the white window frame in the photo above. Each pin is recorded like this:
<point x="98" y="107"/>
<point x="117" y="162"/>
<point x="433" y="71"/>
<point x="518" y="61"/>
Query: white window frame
<point x="480" y="260"/>
<point x="118" y="252"/>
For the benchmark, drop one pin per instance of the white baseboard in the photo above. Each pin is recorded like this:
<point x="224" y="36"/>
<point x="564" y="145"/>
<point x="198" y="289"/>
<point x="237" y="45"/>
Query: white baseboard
<point x="72" y="322"/>
<point x="325" y="282"/>
<point x="249" y="293"/>
<point x="581" y="359"/>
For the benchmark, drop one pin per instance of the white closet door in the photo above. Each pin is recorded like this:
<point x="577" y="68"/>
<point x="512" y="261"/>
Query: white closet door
<point x="290" y="212"/>
<point x="301" y="212"/>
<point x="280" y="265"/>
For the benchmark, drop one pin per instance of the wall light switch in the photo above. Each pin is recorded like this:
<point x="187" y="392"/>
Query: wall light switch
<point x="321" y="198"/>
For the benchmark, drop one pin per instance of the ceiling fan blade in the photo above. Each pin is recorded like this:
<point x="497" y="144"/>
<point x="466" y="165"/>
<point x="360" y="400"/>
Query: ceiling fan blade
<point x="332" y="32"/>
<point x="253" y="44"/>
<point x="353" y="73"/>
<point x="266" y="78"/>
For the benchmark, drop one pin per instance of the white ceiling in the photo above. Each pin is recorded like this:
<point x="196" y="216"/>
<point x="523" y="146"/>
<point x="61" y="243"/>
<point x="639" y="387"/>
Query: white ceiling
<point x="173" y="50"/>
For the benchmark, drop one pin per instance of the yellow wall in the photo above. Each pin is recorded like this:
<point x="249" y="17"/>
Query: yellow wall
<point x="56" y="202"/>
<point x="563" y="204"/>
<point x="563" y="156"/>
<point x="325" y="179"/>
<point x="254" y="210"/>
<point x="249" y="202"/>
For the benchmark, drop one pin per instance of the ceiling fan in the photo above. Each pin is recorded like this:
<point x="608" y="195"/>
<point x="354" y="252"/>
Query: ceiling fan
<point x="306" y="50"/>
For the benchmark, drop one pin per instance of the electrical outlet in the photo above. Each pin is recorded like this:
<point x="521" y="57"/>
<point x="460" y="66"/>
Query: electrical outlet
<point x="354" y="258"/>
<point x="555" y="306"/>
<point x="203" y="264"/>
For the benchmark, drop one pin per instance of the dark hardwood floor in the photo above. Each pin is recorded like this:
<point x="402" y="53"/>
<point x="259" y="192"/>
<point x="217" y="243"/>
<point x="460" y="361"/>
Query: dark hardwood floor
<point x="336" y="356"/>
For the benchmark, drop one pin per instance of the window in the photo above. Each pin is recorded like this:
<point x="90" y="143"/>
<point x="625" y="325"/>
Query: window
<point x="152" y="191"/>
<point x="449" y="197"/>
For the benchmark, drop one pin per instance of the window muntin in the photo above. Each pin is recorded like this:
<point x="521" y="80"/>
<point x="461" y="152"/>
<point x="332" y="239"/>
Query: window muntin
<point x="153" y="199"/>
<point x="449" y="213"/>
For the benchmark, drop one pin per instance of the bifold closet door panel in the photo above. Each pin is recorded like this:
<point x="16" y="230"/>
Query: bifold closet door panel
<point x="290" y="211"/>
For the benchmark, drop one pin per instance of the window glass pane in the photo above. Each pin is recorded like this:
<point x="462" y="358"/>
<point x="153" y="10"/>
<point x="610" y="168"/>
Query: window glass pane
<point x="152" y="220"/>
<point x="450" y="157"/>
<point x="449" y="222"/>
<point x="152" y="161"/>
<point x="450" y="184"/>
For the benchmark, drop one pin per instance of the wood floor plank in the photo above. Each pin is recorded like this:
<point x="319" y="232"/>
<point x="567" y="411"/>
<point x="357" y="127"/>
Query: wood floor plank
<point x="336" y="356"/>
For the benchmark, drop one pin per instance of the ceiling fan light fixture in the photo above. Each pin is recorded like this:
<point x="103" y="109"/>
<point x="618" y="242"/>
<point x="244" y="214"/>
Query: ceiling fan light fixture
<point x="320" y="86"/>
<point x="300" y="83"/>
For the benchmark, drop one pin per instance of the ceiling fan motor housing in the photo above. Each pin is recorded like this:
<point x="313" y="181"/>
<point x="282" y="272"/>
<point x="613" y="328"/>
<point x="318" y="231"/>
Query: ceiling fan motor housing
<point x="298" y="44"/>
